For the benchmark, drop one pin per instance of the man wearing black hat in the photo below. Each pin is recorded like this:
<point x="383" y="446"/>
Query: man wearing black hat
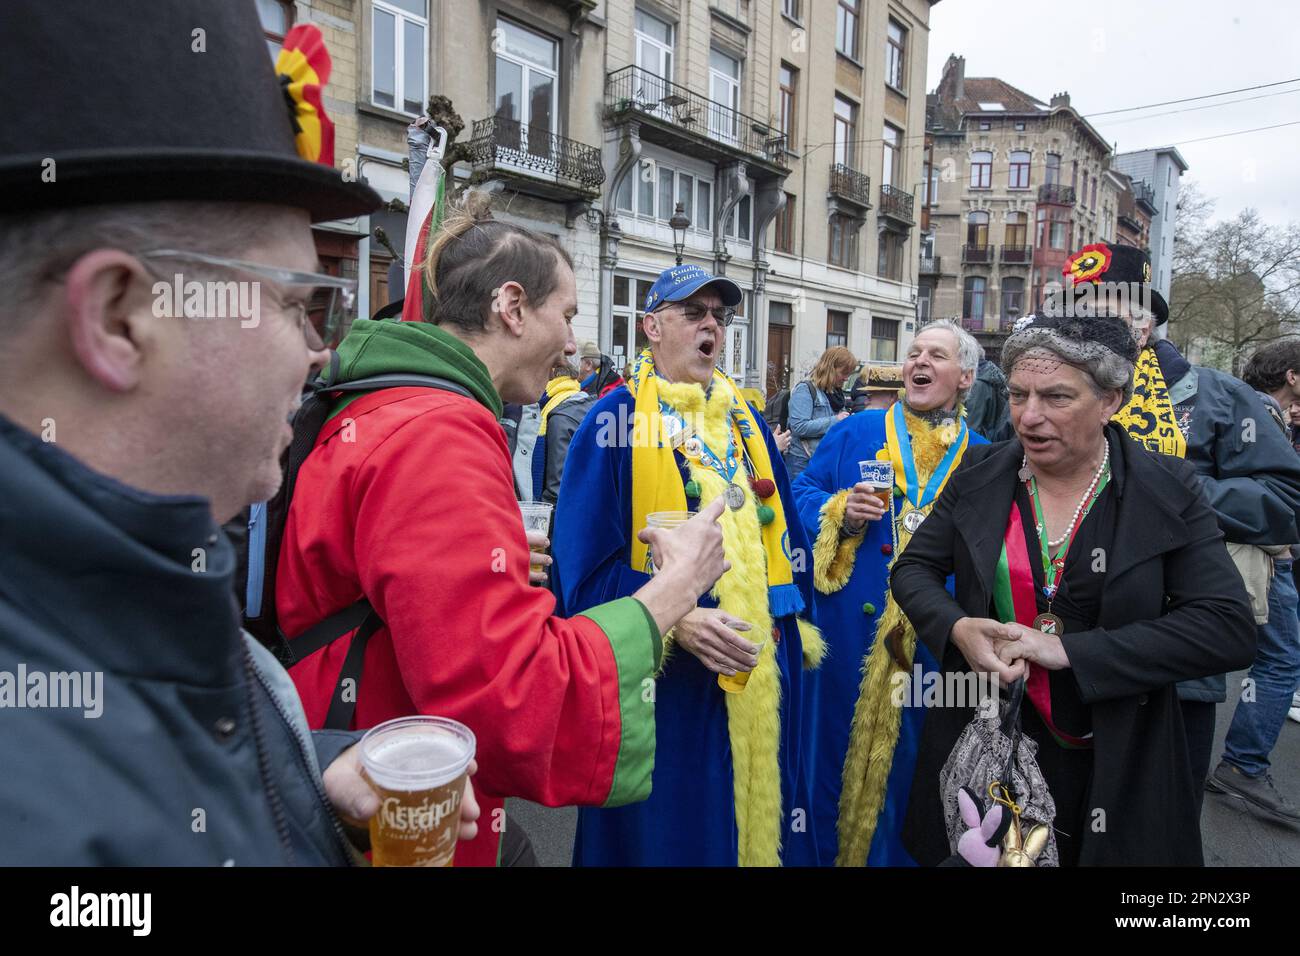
<point x="1250" y="475"/>
<point x="156" y="265"/>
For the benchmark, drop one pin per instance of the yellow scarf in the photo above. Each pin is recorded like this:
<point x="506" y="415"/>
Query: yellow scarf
<point x="1149" y="416"/>
<point x="657" y="484"/>
<point x="877" y="717"/>
<point x="558" y="391"/>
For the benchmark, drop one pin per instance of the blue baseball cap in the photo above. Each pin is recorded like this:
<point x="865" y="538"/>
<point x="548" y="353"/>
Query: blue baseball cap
<point x="681" y="282"/>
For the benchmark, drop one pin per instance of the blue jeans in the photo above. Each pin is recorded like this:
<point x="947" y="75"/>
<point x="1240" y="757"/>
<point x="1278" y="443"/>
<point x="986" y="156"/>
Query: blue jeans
<point x="1276" y="671"/>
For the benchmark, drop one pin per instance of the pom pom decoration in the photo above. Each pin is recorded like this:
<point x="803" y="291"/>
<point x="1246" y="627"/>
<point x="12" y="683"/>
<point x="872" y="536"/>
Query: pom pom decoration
<point x="763" y="487"/>
<point x="886" y="549"/>
<point x="692" y="489"/>
<point x="868" y="608"/>
<point x="303" y="68"/>
<point x="765" y="514"/>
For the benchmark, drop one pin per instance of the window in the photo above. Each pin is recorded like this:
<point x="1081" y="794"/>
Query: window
<point x="628" y="299"/>
<point x="977" y="229"/>
<point x="789" y="78"/>
<point x="985" y="125"/>
<point x="981" y="169"/>
<point x="738" y="225"/>
<point x="658" y="190"/>
<point x="924" y="298"/>
<point x="884" y="340"/>
<point x="527" y="88"/>
<point x="972" y="300"/>
<point x="1060" y="230"/>
<point x="1017" y="228"/>
<point x="791" y="9"/>
<point x="1092" y="202"/>
<point x="925" y="182"/>
<point x="1013" y="299"/>
<point x="276" y="17"/>
<point x="844" y="242"/>
<point x="889" y="260"/>
<point x="1074" y="174"/>
<point x="845" y="130"/>
<point x="783" y="237"/>
<point x="654" y="57"/>
<point x="837" y="328"/>
<point x="934" y="186"/>
<point x="846" y="28"/>
<point x="895" y="55"/>
<point x="704" y="190"/>
<point x="724" y="89"/>
<point x="1020" y="126"/>
<point x="1052" y="174"/>
<point x="1040" y="227"/>
<point x="1018" y="171"/>
<point x="891" y="138"/>
<point x="398" y="58"/>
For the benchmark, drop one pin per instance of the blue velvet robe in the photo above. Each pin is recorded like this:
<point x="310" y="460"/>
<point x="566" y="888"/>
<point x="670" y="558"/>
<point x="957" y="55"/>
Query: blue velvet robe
<point x="849" y="631"/>
<point x="689" y="818"/>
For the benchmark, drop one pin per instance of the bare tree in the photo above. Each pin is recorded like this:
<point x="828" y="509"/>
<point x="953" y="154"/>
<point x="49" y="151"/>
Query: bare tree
<point x="1236" y="285"/>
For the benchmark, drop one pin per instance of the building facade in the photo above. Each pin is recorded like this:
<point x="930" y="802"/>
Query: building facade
<point x="787" y="134"/>
<point x="1015" y="184"/>
<point x="1161" y="170"/>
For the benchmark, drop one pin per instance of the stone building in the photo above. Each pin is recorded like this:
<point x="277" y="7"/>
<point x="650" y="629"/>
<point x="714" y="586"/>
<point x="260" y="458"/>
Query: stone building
<point x="789" y="132"/>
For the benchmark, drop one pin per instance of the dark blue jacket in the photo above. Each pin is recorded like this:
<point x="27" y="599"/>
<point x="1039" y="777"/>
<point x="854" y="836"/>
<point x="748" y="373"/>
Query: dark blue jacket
<point x="201" y="755"/>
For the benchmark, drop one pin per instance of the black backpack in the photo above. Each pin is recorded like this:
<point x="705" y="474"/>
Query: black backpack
<point x="266" y="534"/>
<point x="777" y="411"/>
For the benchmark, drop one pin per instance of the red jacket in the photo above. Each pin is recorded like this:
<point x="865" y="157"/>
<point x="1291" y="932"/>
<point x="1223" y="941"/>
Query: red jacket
<point x="408" y="500"/>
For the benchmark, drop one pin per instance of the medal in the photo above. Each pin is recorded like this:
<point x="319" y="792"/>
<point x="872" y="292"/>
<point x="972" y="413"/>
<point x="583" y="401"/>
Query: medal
<point x="912" y="520"/>
<point x="692" y="447"/>
<point x="734" y="496"/>
<point x="1049" y="623"/>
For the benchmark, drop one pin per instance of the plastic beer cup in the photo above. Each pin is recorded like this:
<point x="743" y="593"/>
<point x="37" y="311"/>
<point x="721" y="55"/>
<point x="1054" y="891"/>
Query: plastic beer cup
<point x="417" y="767"/>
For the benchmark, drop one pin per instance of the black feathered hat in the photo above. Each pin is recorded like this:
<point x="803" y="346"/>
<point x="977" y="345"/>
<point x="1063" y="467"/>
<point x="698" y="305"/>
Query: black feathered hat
<point x="138" y="101"/>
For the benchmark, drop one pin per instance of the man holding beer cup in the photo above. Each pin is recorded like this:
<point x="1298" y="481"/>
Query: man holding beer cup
<point x="678" y="437"/>
<point x="871" y="483"/>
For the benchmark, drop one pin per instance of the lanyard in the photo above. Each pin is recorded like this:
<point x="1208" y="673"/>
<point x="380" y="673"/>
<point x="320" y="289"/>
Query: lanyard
<point x="922" y="497"/>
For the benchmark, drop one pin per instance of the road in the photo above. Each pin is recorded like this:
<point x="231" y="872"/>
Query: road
<point x="1231" y="835"/>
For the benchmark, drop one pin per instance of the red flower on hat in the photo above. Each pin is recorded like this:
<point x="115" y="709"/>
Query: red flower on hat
<point x="1089" y="264"/>
<point x="303" y="67"/>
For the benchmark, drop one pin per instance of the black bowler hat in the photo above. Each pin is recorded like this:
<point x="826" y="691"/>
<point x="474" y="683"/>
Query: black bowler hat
<point x="140" y="101"/>
<point x="1105" y="262"/>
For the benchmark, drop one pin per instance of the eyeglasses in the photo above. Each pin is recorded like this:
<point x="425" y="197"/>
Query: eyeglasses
<point x="696" y="313"/>
<point x="324" y="312"/>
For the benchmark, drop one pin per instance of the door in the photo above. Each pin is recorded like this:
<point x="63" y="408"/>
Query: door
<point x="654" y="58"/>
<point x="779" y="342"/>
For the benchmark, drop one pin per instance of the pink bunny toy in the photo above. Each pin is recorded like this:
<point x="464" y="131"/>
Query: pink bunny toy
<point x="981" y="844"/>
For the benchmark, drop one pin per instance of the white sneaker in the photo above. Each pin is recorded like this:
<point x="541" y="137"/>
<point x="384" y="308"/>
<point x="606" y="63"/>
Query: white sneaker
<point x="1294" y="714"/>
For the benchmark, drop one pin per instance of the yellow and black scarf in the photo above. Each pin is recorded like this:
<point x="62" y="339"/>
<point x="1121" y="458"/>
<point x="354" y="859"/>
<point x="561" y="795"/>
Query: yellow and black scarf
<point x="1149" y="416"/>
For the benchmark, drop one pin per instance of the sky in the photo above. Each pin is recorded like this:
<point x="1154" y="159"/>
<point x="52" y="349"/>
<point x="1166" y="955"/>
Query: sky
<point x="1113" y="54"/>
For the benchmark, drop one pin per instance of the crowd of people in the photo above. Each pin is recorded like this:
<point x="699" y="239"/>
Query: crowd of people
<point x="1074" y="544"/>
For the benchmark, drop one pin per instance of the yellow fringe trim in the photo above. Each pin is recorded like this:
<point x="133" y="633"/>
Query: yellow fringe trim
<point x="832" y="555"/>
<point x="753" y="716"/>
<point x="814" y="645"/>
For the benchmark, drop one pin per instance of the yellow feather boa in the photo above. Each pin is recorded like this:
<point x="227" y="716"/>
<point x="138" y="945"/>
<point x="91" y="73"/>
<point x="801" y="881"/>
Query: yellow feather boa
<point x="876" y="719"/>
<point x="753" y="717"/>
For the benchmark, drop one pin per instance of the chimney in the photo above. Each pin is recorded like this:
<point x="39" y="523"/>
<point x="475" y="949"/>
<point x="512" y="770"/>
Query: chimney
<point x="1060" y="99"/>
<point x="960" y="67"/>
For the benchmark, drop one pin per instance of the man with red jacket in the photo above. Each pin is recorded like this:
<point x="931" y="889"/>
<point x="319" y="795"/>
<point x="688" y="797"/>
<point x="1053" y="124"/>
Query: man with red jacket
<point x="407" y="500"/>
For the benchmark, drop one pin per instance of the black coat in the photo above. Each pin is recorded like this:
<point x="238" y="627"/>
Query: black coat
<point x="1173" y="607"/>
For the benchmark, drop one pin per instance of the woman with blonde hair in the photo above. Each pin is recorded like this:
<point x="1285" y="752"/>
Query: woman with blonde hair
<point x="816" y="404"/>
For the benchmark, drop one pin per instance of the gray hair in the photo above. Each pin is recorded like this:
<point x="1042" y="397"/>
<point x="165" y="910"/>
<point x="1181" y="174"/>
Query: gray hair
<point x="968" y="349"/>
<point x="1106" y="370"/>
<point x="35" y="247"/>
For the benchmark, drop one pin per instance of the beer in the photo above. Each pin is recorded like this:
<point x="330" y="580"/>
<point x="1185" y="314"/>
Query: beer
<point x="537" y="517"/>
<point x="667" y="520"/>
<point x="879" y="475"/>
<point x="417" y="767"/>
<point x="736" y="683"/>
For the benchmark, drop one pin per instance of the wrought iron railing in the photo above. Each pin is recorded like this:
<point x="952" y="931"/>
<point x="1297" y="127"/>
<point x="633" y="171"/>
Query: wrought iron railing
<point x="850" y="184"/>
<point x="972" y="325"/>
<point x="1017" y="255"/>
<point x="974" y="253"/>
<point x="1143" y="192"/>
<point x="896" y="203"/>
<point x="1056" y="193"/>
<point x="632" y="89"/>
<point x="931" y="266"/>
<point x="500" y="143"/>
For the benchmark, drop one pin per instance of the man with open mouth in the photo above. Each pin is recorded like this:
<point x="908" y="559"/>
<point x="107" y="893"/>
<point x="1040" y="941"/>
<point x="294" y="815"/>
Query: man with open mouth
<point x="676" y="437"/>
<point x="857" y="537"/>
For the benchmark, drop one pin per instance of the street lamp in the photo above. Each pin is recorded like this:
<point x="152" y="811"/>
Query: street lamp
<point x="679" y="224"/>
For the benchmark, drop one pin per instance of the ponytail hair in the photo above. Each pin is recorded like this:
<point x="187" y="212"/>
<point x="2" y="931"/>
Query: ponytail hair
<point x="473" y="255"/>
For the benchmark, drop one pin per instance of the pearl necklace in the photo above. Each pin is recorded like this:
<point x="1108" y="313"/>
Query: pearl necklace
<point x="1087" y="495"/>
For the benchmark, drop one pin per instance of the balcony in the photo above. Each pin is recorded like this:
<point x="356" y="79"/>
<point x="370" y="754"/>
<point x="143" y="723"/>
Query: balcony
<point x="932" y="266"/>
<point x="1017" y="255"/>
<point x="1144" y="194"/>
<point x="972" y="325"/>
<point x="979" y="254"/>
<point x="851" y="186"/>
<point x="684" y="121"/>
<point x="896" y="204"/>
<point x="535" y="161"/>
<point x="1056" y="194"/>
